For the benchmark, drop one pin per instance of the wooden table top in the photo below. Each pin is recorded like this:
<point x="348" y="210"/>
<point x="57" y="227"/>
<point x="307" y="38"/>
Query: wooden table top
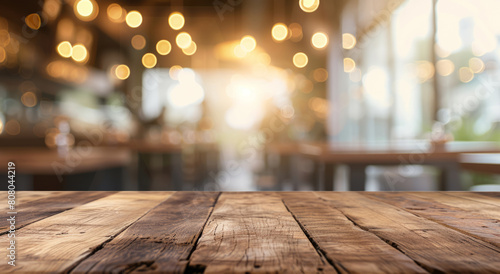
<point x="212" y="232"/>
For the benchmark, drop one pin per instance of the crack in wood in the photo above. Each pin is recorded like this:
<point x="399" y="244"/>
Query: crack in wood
<point x="199" y="268"/>
<point x="319" y="250"/>
<point x="395" y="246"/>
<point x="110" y="238"/>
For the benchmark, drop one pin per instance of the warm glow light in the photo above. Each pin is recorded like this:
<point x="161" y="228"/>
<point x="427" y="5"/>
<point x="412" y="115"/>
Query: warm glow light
<point x="320" y="75"/>
<point x="3" y="55"/>
<point x="466" y="74"/>
<point x="122" y="72"/>
<point x="183" y="40"/>
<point x="239" y="51"/>
<point x="349" y="65"/>
<point x="12" y="127"/>
<point x="187" y="92"/>
<point x="134" y="19"/>
<point x="138" y="42"/>
<point x="86" y="10"/>
<point x="476" y="65"/>
<point x="149" y="60"/>
<point x="425" y="70"/>
<point x="279" y="32"/>
<point x="65" y="49"/>
<point x="163" y="47"/>
<point x="445" y="67"/>
<point x="174" y="71"/>
<point x="115" y="13"/>
<point x="33" y="21"/>
<point x="29" y="99"/>
<point x="176" y="20"/>
<point x="79" y="53"/>
<point x="309" y="5"/>
<point x="191" y="49"/>
<point x="319" y="40"/>
<point x="296" y="30"/>
<point x="300" y="59"/>
<point x="248" y="43"/>
<point x="348" y="41"/>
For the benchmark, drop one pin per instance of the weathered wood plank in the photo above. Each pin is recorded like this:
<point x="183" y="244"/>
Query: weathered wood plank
<point x="249" y="232"/>
<point x="347" y="246"/>
<point x="162" y="240"/>
<point x="26" y="196"/>
<point x="478" y="197"/>
<point x="59" y="242"/>
<point x="37" y="209"/>
<point x="470" y="223"/>
<point x="431" y="245"/>
<point x="488" y="210"/>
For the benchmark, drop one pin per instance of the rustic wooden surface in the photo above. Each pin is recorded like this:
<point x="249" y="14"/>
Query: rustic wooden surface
<point x="212" y="232"/>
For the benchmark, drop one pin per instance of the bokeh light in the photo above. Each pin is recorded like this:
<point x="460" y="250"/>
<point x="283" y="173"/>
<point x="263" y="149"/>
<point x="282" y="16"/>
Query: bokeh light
<point x="176" y="20"/>
<point x="296" y="32"/>
<point x="65" y="49"/>
<point x="86" y="10"/>
<point x="138" y="42"/>
<point x="116" y="13"/>
<point x="300" y="60"/>
<point x="29" y="99"/>
<point x="349" y="65"/>
<point x="279" y="31"/>
<point x="320" y="75"/>
<point x="348" y="41"/>
<point x="12" y="127"/>
<point x="445" y="67"/>
<point x="33" y="21"/>
<point x="319" y="40"/>
<point x="476" y="65"/>
<point x="191" y="49"/>
<point x="122" y="72"/>
<point x="174" y="71"/>
<point x="163" y="47"/>
<point x="134" y="19"/>
<point x="248" y="43"/>
<point x="79" y="53"/>
<point x="149" y="60"/>
<point x="465" y="74"/>
<point x="183" y="40"/>
<point x="309" y="5"/>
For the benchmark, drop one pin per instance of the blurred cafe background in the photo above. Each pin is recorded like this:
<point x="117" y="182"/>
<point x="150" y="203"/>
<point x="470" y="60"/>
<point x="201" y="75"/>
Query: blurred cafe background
<point x="242" y="95"/>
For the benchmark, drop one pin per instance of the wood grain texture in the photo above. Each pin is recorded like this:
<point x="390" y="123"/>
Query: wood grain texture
<point x="61" y="241"/>
<point x="478" y="197"/>
<point x="38" y="207"/>
<point x="350" y="248"/>
<point x="489" y="210"/>
<point x="467" y="222"/>
<point x="252" y="232"/>
<point x="162" y="240"/>
<point x="431" y="245"/>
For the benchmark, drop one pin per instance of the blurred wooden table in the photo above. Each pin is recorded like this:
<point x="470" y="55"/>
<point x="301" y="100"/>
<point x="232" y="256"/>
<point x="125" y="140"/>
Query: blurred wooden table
<point x="211" y="232"/>
<point x="481" y="162"/>
<point x="50" y="166"/>
<point x="414" y="152"/>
